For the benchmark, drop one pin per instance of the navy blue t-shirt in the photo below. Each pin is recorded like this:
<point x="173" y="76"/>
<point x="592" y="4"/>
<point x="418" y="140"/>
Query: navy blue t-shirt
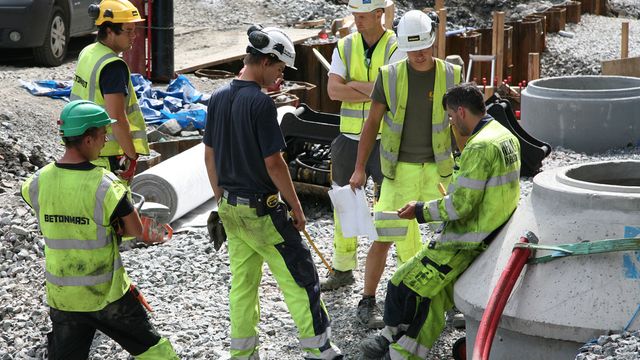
<point x="242" y="128"/>
<point x="114" y="78"/>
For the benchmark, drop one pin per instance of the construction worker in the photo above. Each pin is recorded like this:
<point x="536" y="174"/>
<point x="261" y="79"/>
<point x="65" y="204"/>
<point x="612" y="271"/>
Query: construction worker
<point x="482" y="196"/>
<point x="104" y="78"/>
<point x="415" y="150"/>
<point x="82" y="210"/>
<point x="354" y="66"/>
<point x="243" y="146"/>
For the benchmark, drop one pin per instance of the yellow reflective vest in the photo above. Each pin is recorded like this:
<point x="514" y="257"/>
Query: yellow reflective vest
<point x="86" y="86"/>
<point x="395" y="80"/>
<point x="484" y="191"/>
<point x="83" y="268"/>
<point x="352" y="53"/>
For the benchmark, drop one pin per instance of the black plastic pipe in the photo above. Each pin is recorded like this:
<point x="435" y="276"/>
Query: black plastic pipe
<point x="162" y="45"/>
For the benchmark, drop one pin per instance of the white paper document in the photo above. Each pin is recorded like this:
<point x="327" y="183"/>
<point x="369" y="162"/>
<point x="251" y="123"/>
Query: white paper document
<point x="353" y="211"/>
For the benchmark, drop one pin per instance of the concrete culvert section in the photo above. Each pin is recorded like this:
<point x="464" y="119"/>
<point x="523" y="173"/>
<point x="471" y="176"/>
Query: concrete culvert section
<point x="588" y="114"/>
<point x="558" y="306"/>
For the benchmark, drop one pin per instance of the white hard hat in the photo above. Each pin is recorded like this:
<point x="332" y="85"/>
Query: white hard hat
<point x="357" y="6"/>
<point x="416" y="31"/>
<point x="274" y="41"/>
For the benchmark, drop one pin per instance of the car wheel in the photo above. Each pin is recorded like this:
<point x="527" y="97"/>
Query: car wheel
<point x="54" y="49"/>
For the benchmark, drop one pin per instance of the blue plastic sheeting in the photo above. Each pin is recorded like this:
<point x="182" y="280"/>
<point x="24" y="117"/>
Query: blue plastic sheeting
<point x="50" y="88"/>
<point x="180" y="101"/>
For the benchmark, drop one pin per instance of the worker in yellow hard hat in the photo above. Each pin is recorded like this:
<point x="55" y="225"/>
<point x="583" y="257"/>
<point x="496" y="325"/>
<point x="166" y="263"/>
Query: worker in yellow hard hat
<point x="87" y="285"/>
<point x="104" y="78"/>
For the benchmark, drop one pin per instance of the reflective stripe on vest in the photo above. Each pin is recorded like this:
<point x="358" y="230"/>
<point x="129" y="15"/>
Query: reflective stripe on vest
<point x="87" y="86"/>
<point x="102" y="237"/>
<point x="352" y="53"/>
<point x="485" y="190"/>
<point x="83" y="268"/>
<point x="395" y="82"/>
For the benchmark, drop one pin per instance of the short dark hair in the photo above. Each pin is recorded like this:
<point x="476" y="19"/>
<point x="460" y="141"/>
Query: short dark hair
<point x="102" y="29"/>
<point x="254" y="57"/>
<point x="466" y="95"/>
<point x="75" y="141"/>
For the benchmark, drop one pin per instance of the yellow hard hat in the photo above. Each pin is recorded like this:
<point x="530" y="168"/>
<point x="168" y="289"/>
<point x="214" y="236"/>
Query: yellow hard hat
<point x="115" y="11"/>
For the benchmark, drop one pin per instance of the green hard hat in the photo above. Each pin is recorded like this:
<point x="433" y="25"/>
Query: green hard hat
<point x="80" y="115"/>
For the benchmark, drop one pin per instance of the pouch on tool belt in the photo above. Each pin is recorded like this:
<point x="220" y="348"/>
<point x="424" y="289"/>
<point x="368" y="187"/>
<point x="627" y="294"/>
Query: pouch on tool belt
<point x="216" y="231"/>
<point x="431" y="270"/>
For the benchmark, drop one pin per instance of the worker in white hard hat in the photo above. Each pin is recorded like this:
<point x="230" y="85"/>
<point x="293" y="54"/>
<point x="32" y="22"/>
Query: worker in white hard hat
<point x="248" y="175"/>
<point x="354" y="67"/>
<point x="415" y="146"/>
<point x="103" y="77"/>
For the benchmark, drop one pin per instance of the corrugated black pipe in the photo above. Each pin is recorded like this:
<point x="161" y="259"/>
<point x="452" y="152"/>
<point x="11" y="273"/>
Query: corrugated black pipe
<point x="162" y="65"/>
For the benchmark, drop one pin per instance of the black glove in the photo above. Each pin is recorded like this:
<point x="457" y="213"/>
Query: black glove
<point x="216" y="231"/>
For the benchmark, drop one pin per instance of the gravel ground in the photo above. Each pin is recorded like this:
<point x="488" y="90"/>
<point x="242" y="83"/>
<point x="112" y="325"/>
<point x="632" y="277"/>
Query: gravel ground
<point x="186" y="281"/>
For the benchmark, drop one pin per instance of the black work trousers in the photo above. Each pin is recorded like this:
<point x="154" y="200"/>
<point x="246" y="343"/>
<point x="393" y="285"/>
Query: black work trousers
<point x="125" y="321"/>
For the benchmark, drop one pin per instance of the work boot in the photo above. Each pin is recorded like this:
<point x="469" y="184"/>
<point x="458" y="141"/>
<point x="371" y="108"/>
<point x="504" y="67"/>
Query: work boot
<point x="369" y="314"/>
<point x="337" y="280"/>
<point x="375" y="348"/>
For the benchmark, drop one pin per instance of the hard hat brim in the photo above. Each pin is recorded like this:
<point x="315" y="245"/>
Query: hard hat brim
<point x="387" y="3"/>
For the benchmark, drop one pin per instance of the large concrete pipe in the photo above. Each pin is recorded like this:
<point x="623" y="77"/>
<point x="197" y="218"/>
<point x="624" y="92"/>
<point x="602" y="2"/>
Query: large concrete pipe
<point x="583" y="113"/>
<point x="180" y="183"/>
<point x="558" y="306"/>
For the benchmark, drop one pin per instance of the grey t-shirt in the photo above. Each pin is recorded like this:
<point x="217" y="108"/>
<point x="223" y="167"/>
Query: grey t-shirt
<point x="415" y="145"/>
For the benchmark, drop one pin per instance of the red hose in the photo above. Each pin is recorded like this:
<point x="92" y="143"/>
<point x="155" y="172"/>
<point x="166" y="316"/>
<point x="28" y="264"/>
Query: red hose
<point x="498" y="300"/>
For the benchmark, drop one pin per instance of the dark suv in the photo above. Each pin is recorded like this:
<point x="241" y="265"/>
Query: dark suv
<point x="44" y="25"/>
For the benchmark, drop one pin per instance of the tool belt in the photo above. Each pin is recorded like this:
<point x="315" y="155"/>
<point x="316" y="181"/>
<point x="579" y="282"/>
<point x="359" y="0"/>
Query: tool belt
<point x="263" y="203"/>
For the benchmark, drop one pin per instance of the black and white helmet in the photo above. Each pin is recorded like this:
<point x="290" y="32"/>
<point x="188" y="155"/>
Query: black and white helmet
<point x="271" y="40"/>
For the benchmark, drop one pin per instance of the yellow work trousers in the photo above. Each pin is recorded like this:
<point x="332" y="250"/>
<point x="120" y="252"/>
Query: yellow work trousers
<point x="413" y="182"/>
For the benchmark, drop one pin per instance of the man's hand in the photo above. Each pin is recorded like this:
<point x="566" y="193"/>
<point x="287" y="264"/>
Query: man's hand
<point x="127" y="168"/>
<point x="408" y="211"/>
<point x="358" y="178"/>
<point x="299" y="220"/>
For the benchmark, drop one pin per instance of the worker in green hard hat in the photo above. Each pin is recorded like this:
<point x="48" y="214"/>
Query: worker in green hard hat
<point x="82" y="210"/>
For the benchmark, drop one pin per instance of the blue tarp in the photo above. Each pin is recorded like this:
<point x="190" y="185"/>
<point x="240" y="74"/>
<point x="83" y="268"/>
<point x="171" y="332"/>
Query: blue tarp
<point x="180" y="101"/>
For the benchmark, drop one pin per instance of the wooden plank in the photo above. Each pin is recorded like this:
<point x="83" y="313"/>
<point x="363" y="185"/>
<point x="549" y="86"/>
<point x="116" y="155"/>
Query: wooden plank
<point x="221" y="47"/>
<point x="624" y="47"/>
<point x="622" y="67"/>
<point x="498" y="46"/>
<point x="389" y="14"/>
<point x="534" y="67"/>
<point x="441" y="39"/>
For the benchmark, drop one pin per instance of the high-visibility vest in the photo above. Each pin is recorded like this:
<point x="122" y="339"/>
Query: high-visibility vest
<point x="86" y="86"/>
<point x="83" y="268"/>
<point x="484" y="191"/>
<point x="395" y="81"/>
<point x="352" y="53"/>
